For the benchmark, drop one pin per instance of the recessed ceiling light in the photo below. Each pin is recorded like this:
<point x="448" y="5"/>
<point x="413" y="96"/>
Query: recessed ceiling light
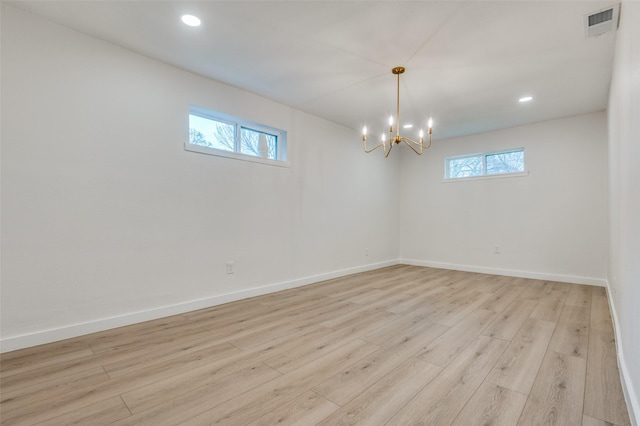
<point x="525" y="99"/>
<point x="190" y="20"/>
<point x="407" y="126"/>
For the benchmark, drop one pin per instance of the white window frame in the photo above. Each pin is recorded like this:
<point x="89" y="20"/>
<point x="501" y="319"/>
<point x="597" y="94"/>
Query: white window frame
<point x="239" y="123"/>
<point x="484" y="174"/>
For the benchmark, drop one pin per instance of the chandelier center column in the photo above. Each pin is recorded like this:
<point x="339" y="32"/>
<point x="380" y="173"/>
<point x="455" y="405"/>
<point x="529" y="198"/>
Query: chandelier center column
<point x="397" y="71"/>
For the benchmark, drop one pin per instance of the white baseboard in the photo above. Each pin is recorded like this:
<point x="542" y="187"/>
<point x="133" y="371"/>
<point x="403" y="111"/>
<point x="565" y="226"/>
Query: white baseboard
<point x="13" y="343"/>
<point x="630" y="395"/>
<point x="600" y="282"/>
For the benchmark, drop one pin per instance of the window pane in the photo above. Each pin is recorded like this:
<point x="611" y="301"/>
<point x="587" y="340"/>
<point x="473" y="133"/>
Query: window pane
<point x="211" y="133"/>
<point x="258" y="144"/>
<point x="465" y="167"/>
<point x="505" y="162"/>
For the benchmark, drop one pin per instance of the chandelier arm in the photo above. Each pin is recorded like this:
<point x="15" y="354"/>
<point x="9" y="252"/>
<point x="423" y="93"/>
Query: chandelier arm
<point x="386" y="153"/>
<point x="410" y="144"/>
<point x="429" y="144"/>
<point x="364" y="145"/>
<point x="409" y="140"/>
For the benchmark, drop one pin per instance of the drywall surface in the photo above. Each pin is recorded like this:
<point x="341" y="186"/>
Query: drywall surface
<point x="107" y="220"/>
<point x="549" y="224"/>
<point x="624" y="200"/>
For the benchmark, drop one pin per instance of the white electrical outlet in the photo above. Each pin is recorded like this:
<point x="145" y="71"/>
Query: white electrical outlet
<point x="229" y="267"/>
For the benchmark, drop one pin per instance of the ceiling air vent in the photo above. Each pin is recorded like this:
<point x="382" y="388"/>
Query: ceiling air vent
<point x="602" y="22"/>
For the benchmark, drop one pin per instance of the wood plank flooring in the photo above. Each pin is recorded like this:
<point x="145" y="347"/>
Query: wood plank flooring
<point x="402" y="345"/>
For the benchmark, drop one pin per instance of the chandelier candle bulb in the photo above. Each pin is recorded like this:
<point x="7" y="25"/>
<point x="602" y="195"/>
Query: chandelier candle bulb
<point x="364" y="133"/>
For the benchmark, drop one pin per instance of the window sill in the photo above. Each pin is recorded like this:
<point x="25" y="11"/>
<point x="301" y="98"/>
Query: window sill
<point x="234" y="155"/>
<point x="485" y="177"/>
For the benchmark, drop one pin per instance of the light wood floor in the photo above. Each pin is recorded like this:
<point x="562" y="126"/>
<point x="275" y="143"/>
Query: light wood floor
<point x="401" y="345"/>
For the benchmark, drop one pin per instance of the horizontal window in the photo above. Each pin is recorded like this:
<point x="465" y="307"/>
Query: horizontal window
<point x="219" y="134"/>
<point x="484" y="164"/>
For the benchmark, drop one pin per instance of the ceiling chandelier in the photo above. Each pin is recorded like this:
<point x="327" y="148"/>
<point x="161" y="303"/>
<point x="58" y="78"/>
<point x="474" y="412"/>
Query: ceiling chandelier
<point x="387" y="144"/>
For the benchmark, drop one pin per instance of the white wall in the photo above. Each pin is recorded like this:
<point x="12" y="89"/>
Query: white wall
<point x="624" y="200"/>
<point x="106" y="219"/>
<point x="550" y="224"/>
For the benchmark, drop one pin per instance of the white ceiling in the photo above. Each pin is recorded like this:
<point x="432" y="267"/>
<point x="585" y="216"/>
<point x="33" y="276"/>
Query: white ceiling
<point x="467" y="62"/>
